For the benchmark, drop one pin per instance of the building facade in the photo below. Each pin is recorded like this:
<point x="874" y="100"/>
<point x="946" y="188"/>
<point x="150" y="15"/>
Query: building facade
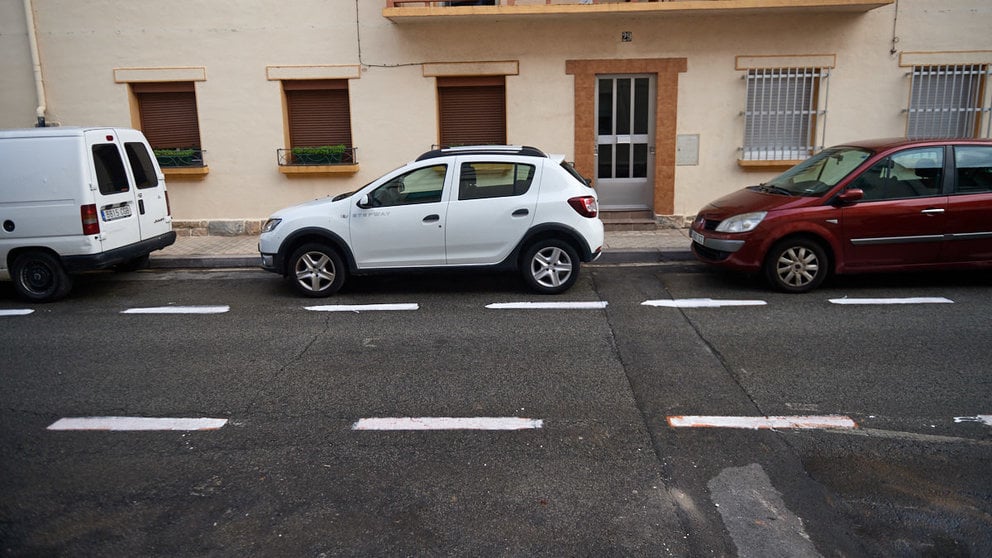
<point x="664" y="105"/>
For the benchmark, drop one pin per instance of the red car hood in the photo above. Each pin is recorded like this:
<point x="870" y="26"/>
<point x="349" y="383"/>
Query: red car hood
<point x="747" y="201"/>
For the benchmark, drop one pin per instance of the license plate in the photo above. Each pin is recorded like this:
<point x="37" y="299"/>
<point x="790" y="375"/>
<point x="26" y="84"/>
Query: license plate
<point x="116" y="212"/>
<point x="697" y="238"/>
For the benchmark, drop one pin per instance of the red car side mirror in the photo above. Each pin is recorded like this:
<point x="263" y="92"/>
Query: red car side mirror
<point x="848" y="197"/>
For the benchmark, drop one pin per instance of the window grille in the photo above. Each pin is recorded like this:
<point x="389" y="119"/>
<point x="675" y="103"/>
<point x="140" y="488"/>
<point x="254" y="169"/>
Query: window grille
<point x="947" y="101"/>
<point x="781" y="111"/>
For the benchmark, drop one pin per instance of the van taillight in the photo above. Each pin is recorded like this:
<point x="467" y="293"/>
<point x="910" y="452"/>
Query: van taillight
<point x="586" y="206"/>
<point x="91" y="223"/>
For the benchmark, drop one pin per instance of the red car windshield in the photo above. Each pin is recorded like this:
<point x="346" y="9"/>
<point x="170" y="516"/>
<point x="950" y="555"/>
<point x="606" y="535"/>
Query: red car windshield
<point x="818" y="174"/>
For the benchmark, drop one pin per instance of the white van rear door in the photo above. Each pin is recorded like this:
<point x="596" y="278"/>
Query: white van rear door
<point x="113" y="191"/>
<point x="149" y="180"/>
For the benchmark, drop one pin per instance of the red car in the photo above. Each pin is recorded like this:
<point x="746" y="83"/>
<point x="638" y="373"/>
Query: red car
<point x="881" y="205"/>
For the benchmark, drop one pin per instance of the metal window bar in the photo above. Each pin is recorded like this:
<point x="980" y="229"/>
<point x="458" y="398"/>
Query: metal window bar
<point x="949" y="101"/>
<point x="781" y="111"/>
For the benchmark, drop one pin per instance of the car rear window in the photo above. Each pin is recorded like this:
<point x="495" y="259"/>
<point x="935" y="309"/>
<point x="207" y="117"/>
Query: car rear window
<point x="141" y="165"/>
<point x="570" y="169"/>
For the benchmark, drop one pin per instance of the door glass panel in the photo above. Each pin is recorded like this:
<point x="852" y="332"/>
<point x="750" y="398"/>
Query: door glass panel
<point x="623" y="160"/>
<point x="605" y="161"/>
<point x="141" y="165"/>
<point x="623" y="106"/>
<point x="110" y="175"/>
<point x="974" y="166"/>
<point x="640" y="160"/>
<point x="605" y="107"/>
<point x="641" y="105"/>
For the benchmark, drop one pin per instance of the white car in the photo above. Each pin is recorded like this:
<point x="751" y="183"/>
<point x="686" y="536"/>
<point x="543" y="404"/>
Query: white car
<point x="466" y="207"/>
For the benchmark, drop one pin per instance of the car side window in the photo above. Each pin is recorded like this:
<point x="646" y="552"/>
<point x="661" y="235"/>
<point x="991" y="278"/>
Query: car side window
<point x="420" y="186"/>
<point x="480" y="180"/>
<point x="974" y="169"/>
<point x="914" y="173"/>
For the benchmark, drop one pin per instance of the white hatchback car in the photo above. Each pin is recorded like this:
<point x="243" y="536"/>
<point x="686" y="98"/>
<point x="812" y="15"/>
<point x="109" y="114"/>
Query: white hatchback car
<point x="501" y="207"/>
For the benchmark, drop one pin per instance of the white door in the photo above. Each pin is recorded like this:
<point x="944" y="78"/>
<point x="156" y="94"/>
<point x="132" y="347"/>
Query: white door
<point x="402" y="223"/>
<point x="149" y="182"/>
<point x="115" y="196"/>
<point x="625" y="115"/>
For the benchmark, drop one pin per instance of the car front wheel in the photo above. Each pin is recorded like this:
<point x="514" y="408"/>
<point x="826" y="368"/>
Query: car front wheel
<point x="40" y="277"/>
<point x="796" y="265"/>
<point x="316" y="270"/>
<point x="550" y="266"/>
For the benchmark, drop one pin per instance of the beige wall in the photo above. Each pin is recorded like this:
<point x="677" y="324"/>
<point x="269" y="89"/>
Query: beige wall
<point x="394" y="105"/>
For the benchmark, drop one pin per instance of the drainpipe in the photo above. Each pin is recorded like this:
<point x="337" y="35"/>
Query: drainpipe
<point x="39" y="84"/>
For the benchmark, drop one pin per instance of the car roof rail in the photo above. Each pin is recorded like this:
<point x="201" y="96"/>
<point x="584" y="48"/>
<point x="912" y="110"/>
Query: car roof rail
<point x="483" y="150"/>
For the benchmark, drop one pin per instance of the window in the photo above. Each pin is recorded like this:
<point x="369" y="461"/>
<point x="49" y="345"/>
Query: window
<point x="319" y="119"/>
<point x="141" y="165"/>
<point x="780" y="113"/>
<point x="472" y="110"/>
<point x="110" y="175"/>
<point x="494" y="180"/>
<point x="913" y="173"/>
<point x="974" y="166"/>
<point x="420" y="186"/>
<point x="169" y="121"/>
<point x="947" y="102"/>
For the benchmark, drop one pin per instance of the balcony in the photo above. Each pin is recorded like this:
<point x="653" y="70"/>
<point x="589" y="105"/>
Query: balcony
<point x="325" y="159"/>
<point x="407" y="11"/>
<point x="182" y="162"/>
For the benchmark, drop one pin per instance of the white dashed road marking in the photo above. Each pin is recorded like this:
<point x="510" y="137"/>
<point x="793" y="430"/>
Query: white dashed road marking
<point x="915" y="300"/>
<point x="756" y="423"/>
<point x="136" y="423"/>
<point x="701" y="303"/>
<point x="178" y="310"/>
<point x="599" y="305"/>
<point x="16" y="312"/>
<point x="984" y="419"/>
<point x="447" y="423"/>
<point x="363" y="307"/>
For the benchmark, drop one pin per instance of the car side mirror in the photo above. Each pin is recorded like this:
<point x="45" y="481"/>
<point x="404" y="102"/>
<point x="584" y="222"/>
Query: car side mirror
<point x="364" y="202"/>
<point x="850" y="197"/>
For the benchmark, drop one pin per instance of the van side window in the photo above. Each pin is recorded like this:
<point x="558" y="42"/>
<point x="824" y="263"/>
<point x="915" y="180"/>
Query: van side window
<point x="110" y="175"/>
<point x="141" y="165"/>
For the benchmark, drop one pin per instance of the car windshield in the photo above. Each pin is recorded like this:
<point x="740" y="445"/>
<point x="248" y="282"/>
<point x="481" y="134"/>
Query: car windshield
<point x="816" y="175"/>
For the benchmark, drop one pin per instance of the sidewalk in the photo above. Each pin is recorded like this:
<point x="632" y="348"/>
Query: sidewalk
<point x="242" y="251"/>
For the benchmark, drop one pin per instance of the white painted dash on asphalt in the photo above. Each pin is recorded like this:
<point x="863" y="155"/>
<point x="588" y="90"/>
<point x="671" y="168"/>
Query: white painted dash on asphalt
<point x="447" y="423"/>
<point x="16" y="312"/>
<point x="363" y="307"/>
<point x="178" y="310"/>
<point x="598" y="305"/>
<point x="757" y="423"/>
<point x="136" y="423"/>
<point x="913" y="300"/>
<point x="701" y="303"/>
<point x="984" y="419"/>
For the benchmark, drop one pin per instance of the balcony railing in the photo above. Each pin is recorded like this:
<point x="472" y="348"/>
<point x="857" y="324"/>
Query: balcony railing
<point x="180" y="158"/>
<point x="317" y="156"/>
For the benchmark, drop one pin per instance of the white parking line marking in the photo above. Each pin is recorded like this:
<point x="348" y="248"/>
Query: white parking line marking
<point x="756" y="423"/>
<point x="548" y="305"/>
<point x="363" y="307"/>
<point x="916" y="300"/>
<point x="984" y="419"/>
<point x="178" y="310"/>
<point x="701" y="303"/>
<point x="136" y="423"/>
<point x="447" y="423"/>
<point x="16" y="312"/>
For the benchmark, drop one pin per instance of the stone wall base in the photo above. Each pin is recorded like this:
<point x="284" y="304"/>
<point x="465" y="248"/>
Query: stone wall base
<point x="219" y="227"/>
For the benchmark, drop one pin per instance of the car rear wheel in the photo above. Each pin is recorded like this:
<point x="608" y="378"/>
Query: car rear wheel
<point x="796" y="265"/>
<point x="40" y="277"/>
<point x="316" y="270"/>
<point x="550" y="266"/>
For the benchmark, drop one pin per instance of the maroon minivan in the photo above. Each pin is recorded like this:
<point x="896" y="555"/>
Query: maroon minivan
<point x="881" y="205"/>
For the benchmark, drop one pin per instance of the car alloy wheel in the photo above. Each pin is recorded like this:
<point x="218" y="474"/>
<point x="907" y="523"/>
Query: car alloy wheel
<point x="317" y="270"/>
<point x="796" y="266"/>
<point x="551" y="266"/>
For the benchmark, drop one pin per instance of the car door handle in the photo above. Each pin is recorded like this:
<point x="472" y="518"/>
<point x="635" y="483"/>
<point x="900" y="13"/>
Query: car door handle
<point x="521" y="213"/>
<point x="432" y="218"/>
<point x="932" y="211"/>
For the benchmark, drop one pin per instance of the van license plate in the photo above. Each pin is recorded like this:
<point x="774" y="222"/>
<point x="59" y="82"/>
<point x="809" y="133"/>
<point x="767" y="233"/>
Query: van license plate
<point x="697" y="238"/>
<point x="118" y="212"/>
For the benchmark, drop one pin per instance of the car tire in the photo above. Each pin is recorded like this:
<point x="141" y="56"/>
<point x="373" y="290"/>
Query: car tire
<point x="316" y="270"/>
<point x="797" y="265"/>
<point x="40" y="277"/>
<point x="550" y="266"/>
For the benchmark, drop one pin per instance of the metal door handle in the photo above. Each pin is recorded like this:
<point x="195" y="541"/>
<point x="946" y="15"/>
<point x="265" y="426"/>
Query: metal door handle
<point x="521" y="213"/>
<point x="932" y="211"/>
<point x="432" y="218"/>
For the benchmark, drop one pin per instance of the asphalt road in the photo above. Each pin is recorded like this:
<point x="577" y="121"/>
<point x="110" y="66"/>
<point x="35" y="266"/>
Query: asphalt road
<point x="600" y="466"/>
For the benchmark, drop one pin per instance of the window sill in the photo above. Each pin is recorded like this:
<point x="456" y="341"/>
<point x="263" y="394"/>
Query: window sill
<point x="311" y="170"/>
<point x="761" y="165"/>
<point x="192" y="173"/>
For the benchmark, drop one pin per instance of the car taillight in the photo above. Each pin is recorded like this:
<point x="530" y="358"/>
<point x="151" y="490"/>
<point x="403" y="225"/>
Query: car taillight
<point x="91" y="223"/>
<point x="585" y="206"/>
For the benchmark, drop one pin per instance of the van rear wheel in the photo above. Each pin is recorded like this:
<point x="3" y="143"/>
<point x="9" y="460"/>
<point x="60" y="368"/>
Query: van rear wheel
<point x="40" y="277"/>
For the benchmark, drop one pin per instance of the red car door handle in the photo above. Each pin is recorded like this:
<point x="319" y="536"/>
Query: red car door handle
<point x="932" y="211"/>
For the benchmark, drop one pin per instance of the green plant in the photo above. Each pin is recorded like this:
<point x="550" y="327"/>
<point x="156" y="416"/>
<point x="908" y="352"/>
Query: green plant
<point x="317" y="155"/>
<point x="178" y="157"/>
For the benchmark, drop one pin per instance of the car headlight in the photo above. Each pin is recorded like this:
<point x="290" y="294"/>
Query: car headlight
<point x="744" y="222"/>
<point x="271" y="225"/>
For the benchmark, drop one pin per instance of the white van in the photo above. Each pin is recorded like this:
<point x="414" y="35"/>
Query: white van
<point x="77" y="199"/>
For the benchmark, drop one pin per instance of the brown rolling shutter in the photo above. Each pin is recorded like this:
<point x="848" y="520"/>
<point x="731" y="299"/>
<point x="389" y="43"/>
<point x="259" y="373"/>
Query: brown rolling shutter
<point x="472" y="110"/>
<point x="319" y="113"/>
<point x="168" y="114"/>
